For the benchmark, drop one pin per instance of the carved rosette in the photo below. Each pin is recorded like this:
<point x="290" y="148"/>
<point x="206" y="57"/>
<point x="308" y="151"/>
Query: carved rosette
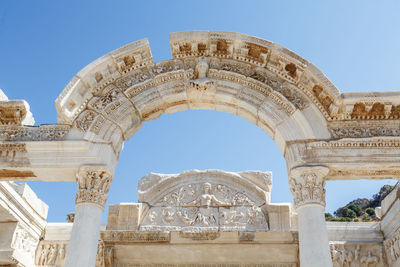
<point x="307" y="185"/>
<point x="93" y="185"/>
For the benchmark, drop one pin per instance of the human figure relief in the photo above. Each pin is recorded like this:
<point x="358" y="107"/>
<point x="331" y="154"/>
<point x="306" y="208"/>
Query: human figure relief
<point x="369" y="259"/>
<point x="44" y="254"/>
<point x="39" y="254"/>
<point x="202" y="82"/>
<point x="51" y="258"/>
<point x="100" y="255"/>
<point x="206" y="199"/>
<point x="61" y="252"/>
<point x="204" y="202"/>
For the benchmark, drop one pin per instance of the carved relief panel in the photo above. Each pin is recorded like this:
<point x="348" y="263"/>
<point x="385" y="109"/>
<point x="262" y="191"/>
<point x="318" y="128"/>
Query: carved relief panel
<point x="204" y="203"/>
<point x="357" y="255"/>
<point x="52" y="253"/>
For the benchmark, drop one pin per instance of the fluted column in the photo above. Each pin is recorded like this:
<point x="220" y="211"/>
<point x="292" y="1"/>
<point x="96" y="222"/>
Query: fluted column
<point x="93" y="185"/>
<point x="307" y="185"/>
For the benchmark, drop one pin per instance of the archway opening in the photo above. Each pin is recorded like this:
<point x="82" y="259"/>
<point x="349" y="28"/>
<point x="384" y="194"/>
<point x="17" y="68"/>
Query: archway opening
<point x="197" y="139"/>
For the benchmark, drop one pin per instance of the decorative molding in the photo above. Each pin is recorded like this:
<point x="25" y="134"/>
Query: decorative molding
<point x="52" y="132"/>
<point x="14" y="155"/>
<point x="392" y="247"/>
<point x="136" y="237"/>
<point x="206" y="265"/>
<point x="363" y="132"/>
<point x="94" y="182"/>
<point x="358" y="143"/>
<point x="358" y="173"/>
<point x="307" y="185"/>
<point x="200" y="235"/>
<point x="13" y="112"/>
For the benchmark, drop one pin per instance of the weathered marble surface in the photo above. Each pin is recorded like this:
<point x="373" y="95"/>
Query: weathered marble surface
<point x="22" y="223"/>
<point x="350" y="136"/>
<point x="207" y="201"/>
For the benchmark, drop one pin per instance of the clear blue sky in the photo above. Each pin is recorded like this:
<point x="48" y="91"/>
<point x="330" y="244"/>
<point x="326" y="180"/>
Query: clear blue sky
<point x="44" y="43"/>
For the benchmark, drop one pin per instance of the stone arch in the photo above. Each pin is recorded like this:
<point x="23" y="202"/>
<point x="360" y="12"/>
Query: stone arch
<point x="260" y="81"/>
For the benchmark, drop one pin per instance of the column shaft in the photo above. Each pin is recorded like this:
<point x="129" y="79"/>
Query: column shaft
<point x="313" y="237"/>
<point x="82" y="247"/>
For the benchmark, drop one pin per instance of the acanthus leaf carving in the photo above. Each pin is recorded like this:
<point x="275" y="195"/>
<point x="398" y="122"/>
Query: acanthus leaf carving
<point x="93" y="185"/>
<point x="307" y="185"/>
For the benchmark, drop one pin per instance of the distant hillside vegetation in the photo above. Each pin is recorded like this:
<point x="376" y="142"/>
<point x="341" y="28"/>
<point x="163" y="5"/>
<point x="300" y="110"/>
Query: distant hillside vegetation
<point x="360" y="209"/>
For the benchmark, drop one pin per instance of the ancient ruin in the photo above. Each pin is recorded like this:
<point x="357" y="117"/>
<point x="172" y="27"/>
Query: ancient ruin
<point x="200" y="218"/>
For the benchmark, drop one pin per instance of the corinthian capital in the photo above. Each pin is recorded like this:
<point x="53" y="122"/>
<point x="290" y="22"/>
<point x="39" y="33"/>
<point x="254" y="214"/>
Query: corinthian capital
<point x="307" y="185"/>
<point x="94" y="182"/>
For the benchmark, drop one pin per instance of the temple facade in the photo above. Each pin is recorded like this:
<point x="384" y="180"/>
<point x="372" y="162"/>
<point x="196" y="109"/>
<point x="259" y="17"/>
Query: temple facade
<point x="200" y="218"/>
<point x="196" y="218"/>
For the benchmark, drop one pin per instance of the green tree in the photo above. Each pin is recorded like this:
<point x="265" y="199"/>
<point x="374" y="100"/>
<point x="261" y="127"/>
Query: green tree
<point x="366" y="218"/>
<point x="355" y="208"/>
<point x="370" y="212"/>
<point x="349" y="213"/>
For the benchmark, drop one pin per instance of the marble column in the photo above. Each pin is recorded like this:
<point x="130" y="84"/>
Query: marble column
<point x="93" y="185"/>
<point x="307" y="185"/>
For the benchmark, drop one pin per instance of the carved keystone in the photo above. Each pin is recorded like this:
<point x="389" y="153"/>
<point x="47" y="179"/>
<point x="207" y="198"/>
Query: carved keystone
<point x="93" y="185"/>
<point x="307" y="185"/>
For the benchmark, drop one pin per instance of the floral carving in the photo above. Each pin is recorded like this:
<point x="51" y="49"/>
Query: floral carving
<point x="85" y="119"/>
<point x="93" y="185"/>
<point x="307" y="185"/>
<point x="101" y="102"/>
<point x="362" y="132"/>
<point x="42" y="133"/>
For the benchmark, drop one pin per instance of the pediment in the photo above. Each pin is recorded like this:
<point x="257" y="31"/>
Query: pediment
<point x="209" y="200"/>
